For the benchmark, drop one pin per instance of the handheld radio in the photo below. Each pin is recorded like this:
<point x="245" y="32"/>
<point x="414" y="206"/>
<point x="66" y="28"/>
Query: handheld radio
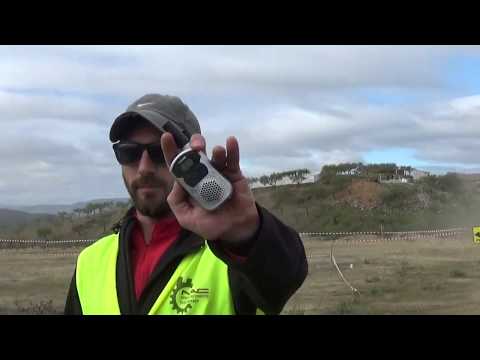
<point x="196" y="174"/>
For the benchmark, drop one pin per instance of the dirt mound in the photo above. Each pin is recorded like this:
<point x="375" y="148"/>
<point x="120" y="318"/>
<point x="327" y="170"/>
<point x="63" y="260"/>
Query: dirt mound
<point x="361" y="194"/>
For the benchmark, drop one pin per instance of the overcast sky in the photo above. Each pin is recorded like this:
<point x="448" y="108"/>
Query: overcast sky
<point x="289" y="106"/>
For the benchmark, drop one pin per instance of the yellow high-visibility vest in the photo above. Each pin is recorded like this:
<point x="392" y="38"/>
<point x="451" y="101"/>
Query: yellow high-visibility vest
<point x="199" y="285"/>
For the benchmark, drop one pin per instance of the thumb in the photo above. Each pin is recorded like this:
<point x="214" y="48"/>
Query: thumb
<point x="178" y="199"/>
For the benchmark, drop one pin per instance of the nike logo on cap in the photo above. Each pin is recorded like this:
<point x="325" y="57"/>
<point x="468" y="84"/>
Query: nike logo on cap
<point x="148" y="103"/>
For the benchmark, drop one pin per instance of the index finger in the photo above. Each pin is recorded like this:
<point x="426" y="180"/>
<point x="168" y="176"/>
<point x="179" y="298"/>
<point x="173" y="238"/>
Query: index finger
<point x="233" y="154"/>
<point x="169" y="147"/>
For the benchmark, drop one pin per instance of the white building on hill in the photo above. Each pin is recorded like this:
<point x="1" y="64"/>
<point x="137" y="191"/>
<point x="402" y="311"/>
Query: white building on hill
<point x="418" y="174"/>
<point x="403" y="177"/>
<point x="351" y="172"/>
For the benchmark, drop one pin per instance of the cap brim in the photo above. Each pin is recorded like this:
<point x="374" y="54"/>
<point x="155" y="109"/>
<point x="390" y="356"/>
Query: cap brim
<point x="126" y="122"/>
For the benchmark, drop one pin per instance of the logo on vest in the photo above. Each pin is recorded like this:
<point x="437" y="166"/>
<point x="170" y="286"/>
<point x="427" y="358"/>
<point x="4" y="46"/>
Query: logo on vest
<point x="184" y="296"/>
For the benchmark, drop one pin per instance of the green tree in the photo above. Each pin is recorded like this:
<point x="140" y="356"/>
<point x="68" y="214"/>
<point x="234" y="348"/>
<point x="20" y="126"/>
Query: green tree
<point x="90" y="209"/>
<point x="78" y="211"/>
<point x="298" y="176"/>
<point x="62" y="215"/>
<point x="450" y="183"/>
<point x="107" y="205"/>
<point x="264" y="180"/>
<point x="274" y="178"/>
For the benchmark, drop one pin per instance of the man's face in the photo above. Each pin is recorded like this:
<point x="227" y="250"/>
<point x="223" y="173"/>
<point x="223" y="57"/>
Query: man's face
<point x="148" y="183"/>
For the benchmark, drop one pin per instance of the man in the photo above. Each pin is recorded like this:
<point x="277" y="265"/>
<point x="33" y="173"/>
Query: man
<point x="169" y="255"/>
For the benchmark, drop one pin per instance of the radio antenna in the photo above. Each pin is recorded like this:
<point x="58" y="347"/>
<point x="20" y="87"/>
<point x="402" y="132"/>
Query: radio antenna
<point x="182" y="138"/>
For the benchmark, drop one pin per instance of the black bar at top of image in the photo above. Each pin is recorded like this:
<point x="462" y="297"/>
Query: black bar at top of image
<point x="292" y="25"/>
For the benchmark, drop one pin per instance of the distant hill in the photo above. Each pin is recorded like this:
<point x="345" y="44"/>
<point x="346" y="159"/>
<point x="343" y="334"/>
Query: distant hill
<point x="9" y="218"/>
<point x="79" y="225"/>
<point x="55" y="209"/>
<point x="334" y="203"/>
<point x="348" y="203"/>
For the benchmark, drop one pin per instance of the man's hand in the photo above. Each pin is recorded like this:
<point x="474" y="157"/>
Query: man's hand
<point x="237" y="220"/>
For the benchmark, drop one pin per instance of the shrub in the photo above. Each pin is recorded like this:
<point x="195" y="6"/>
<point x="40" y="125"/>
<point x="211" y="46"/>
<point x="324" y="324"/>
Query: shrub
<point x="376" y="291"/>
<point x="450" y="183"/>
<point x="457" y="274"/>
<point x="41" y="308"/>
<point x="397" y="196"/>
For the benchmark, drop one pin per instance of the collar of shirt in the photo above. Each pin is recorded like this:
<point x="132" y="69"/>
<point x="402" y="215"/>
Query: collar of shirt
<point x="146" y="257"/>
<point x="163" y="230"/>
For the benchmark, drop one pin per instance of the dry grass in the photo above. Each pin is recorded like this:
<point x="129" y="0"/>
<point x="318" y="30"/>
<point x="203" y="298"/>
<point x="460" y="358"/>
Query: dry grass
<point x="426" y="276"/>
<point x="35" y="281"/>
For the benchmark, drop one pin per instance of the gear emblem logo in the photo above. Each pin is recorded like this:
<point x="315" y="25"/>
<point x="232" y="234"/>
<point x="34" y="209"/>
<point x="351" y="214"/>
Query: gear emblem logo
<point x="184" y="296"/>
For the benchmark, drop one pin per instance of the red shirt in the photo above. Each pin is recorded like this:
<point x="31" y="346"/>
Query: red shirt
<point x="146" y="257"/>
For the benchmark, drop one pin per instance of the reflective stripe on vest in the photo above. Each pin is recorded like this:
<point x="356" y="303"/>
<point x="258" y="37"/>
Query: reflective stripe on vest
<point x="199" y="285"/>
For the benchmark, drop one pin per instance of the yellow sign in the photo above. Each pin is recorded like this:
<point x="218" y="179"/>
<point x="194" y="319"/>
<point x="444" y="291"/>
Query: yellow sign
<point x="476" y="235"/>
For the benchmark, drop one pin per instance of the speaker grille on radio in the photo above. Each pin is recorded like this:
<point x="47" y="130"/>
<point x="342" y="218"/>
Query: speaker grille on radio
<point x="211" y="191"/>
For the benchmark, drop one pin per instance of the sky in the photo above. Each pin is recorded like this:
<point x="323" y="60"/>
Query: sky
<point x="290" y="107"/>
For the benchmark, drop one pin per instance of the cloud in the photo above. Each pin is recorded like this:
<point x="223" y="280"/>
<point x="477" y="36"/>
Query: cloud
<point x="289" y="106"/>
<point x="55" y="172"/>
<point x="17" y="107"/>
<point x="286" y="137"/>
<point x="188" y="70"/>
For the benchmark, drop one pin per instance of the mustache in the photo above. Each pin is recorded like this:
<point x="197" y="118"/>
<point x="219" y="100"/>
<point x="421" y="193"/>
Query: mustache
<point x="147" y="181"/>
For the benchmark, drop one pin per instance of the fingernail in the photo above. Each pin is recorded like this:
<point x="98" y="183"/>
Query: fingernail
<point x="196" y="144"/>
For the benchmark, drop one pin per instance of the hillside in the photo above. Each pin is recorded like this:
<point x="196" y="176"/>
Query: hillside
<point x="338" y="203"/>
<point x="10" y="218"/>
<point x="356" y="204"/>
<point x="55" y="209"/>
<point x="80" y="225"/>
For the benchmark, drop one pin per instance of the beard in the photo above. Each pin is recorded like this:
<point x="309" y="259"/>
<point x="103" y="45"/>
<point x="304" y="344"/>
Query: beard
<point x="155" y="206"/>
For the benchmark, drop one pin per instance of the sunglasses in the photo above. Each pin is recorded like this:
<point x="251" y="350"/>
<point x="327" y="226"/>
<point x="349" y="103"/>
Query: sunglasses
<point x="129" y="152"/>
